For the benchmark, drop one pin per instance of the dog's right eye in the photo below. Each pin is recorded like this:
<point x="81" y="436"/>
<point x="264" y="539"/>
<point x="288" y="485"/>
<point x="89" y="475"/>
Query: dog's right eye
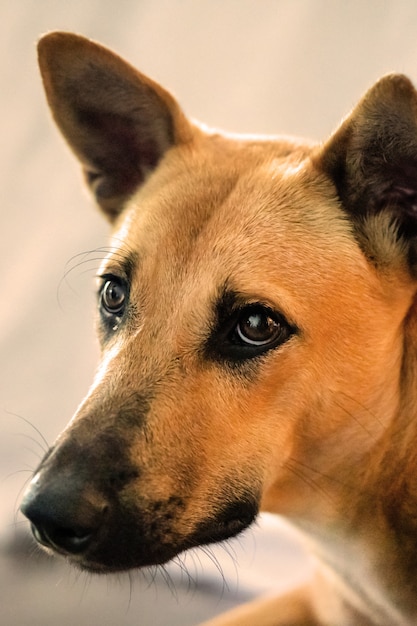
<point x="113" y="297"/>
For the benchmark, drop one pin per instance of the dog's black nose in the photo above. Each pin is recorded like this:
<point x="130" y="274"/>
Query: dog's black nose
<point x="70" y="540"/>
<point x="62" y="518"/>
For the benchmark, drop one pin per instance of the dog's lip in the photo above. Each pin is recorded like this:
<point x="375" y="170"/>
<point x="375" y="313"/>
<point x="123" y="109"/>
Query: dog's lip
<point x="220" y="532"/>
<point x="212" y="531"/>
<point x="91" y="563"/>
<point x="235" y="518"/>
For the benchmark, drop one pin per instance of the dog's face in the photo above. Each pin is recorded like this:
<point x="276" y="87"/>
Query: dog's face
<point x="249" y="325"/>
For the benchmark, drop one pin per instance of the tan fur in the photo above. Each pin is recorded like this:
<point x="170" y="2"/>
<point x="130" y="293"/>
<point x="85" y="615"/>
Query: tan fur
<point x="177" y="444"/>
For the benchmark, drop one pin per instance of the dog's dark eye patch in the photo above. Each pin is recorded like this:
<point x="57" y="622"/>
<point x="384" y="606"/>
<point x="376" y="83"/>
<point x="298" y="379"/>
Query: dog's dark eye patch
<point x="244" y="330"/>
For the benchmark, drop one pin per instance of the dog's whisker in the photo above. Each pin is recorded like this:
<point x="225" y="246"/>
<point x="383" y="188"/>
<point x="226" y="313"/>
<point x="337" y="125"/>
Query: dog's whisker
<point x="301" y="473"/>
<point x="365" y="409"/>
<point x="129" y="602"/>
<point x="191" y="583"/>
<point x="194" y="556"/>
<point x="37" y="431"/>
<point x="94" y="259"/>
<point x="228" y="547"/>
<point x="15" y="472"/>
<point x="195" y="574"/>
<point x="328" y="477"/>
<point x="86" y="254"/>
<point x="169" y="581"/>
<point x="149" y="574"/>
<point x="229" y="550"/>
<point x="18" y="524"/>
<point x="356" y="419"/>
<point x="210" y="554"/>
<point x="39" y="451"/>
<point x="86" y="584"/>
<point x="35" y="453"/>
<point x="87" y="258"/>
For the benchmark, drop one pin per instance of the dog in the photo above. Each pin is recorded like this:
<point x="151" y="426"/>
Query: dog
<point x="257" y="318"/>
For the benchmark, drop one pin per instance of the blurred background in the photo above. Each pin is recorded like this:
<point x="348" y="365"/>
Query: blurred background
<point x="267" y="66"/>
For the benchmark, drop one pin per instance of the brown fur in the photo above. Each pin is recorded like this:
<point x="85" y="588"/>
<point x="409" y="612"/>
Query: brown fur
<point x="188" y="431"/>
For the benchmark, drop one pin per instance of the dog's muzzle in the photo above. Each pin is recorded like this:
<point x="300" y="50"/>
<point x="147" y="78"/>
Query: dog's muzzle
<point x="104" y="520"/>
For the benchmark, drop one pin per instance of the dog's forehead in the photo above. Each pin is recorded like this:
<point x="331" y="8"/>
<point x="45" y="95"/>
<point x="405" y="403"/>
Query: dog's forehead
<point x="235" y="214"/>
<point x="273" y="233"/>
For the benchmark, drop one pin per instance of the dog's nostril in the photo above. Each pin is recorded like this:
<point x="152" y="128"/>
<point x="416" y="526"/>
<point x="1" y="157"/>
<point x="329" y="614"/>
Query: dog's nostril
<point x="70" y="540"/>
<point x="63" y="517"/>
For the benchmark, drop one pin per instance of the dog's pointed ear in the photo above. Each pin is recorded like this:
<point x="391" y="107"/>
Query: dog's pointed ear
<point x="372" y="161"/>
<point x="118" y="122"/>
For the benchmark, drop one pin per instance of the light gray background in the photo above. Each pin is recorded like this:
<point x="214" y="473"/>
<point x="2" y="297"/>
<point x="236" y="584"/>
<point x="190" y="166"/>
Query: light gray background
<point x="294" y="66"/>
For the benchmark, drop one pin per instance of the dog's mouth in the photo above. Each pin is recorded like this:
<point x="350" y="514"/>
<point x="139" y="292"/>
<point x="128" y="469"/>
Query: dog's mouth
<point x="210" y="531"/>
<point x="112" y="537"/>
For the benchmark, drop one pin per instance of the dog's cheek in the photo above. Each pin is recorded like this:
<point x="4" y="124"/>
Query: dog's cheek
<point x="201" y="451"/>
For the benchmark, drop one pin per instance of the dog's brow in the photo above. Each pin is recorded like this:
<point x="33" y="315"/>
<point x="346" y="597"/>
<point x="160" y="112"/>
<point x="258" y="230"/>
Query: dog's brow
<point x="125" y="262"/>
<point x="227" y="301"/>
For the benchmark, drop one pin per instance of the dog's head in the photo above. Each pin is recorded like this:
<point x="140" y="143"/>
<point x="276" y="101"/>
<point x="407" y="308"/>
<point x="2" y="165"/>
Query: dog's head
<point x="252" y="314"/>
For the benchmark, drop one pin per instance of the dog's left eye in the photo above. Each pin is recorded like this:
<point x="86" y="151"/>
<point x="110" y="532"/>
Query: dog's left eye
<point x="257" y="329"/>
<point x="249" y="332"/>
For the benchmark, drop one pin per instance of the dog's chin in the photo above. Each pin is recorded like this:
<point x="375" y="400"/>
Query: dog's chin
<point x="113" y="557"/>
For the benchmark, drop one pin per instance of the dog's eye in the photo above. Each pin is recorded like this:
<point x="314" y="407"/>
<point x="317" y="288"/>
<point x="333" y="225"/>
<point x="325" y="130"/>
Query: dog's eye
<point x="258" y="328"/>
<point x="245" y="330"/>
<point x="251" y="331"/>
<point x="113" y="297"/>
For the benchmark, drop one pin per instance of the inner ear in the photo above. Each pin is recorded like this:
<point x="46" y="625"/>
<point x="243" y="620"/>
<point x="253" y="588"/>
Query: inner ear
<point x="118" y="122"/>
<point x="372" y="160"/>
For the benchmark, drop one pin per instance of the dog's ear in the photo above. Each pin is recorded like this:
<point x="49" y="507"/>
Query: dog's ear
<point x="118" y="122"/>
<point x="372" y="161"/>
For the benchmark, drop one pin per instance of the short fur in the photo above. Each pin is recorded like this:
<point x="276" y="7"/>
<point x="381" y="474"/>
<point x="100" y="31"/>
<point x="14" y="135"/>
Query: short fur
<point x="259" y="345"/>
